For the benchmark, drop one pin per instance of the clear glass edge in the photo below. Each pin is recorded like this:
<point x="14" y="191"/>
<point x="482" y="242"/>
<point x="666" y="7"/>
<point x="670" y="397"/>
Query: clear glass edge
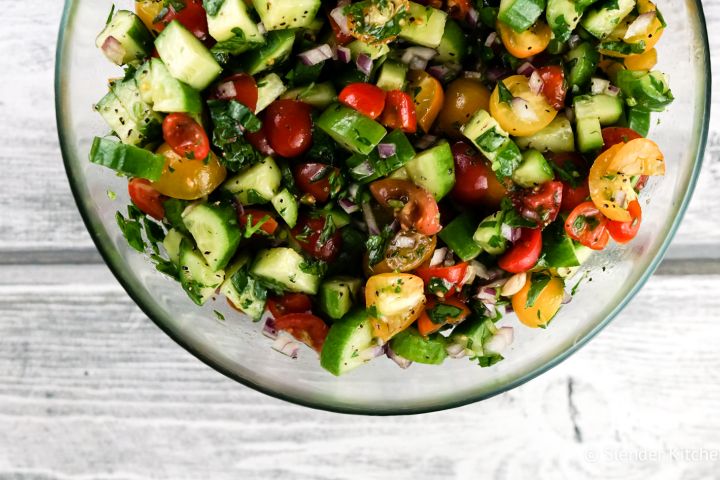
<point x="117" y="268"/>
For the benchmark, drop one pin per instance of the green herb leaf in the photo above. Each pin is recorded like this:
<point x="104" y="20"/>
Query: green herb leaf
<point x="440" y="313"/>
<point x="504" y="93"/>
<point x="237" y="153"/>
<point x="212" y="7"/>
<point x="538" y="283"/>
<point x="377" y="244"/>
<point x="132" y="231"/>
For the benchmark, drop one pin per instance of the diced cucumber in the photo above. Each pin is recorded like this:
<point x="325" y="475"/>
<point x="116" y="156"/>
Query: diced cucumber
<point x="409" y="344"/>
<point x="458" y="236"/>
<point x="277" y="48"/>
<point x="242" y="290"/>
<point x="433" y="169"/>
<point x="533" y="171"/>
<point x="286" y="206"/>
<point x="453" y="45"/>
<point x="392" y="75"/>
<point x="143" y="79"/>
<point x="489" y="234"/>
<point x="494" y="142"/>
<point x="216" y="232"/>
<point x="125" y="38"/>
<point x="319" y="95"/>
<point x="600" y="22"/>
<point x="647" y="90"/>
<point x="562" y="17"/>
<point x="185" y="57"/>
<point x="520" y="14"/>
<point x="172" y="243"/>
<point x="148" y="122"/>
<point x="270" y="88"/>
<point x="283" y="267"/>
<point x="338" y="295"/>
<point x="119" y="120"/>
<point x="197" y="279"/>
<point x="339" y="218"/>
<point x="558" y="249"/>
<point x="128" y="159"/>
<point x="172" y="95"/>
<point x="639" y="120"/>
<point x="367" y="168"/>
<point x="372" y="50"/>
<point x="351" y="129"/>
<point x="589" y="134"/>
<point x="557" y="137"/>
<point x="473" y="334"/>
<point x="606" y="108"/>
<point x="424" y="26"/>
<point x="257" y="184"/>
<point x="233" y="14"/>
<point x="281" y="15"/>
<point x="348" y="343"/>
<point x="582" y="62"/>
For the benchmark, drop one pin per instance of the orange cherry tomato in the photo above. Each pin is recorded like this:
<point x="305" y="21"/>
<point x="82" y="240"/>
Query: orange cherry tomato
<point x="305" y="327"/>
<point x="623" y="232"/>
<point x="399" y="112"/>
<point x="456" y="313"/>
<point x="545" y="306"/>
<point x="458" y="9"/>
<point x="186" y="136"/>
<point x="289" y="303"/>
<point x="428" y="97"/>
<point x="588" y="226"/>
<point x="420" y="211"/>
<point x="463" y="97"/>
<point x="610" y="191"/>
<point x="641" y="156"/>
<point x="146" y="198"/>
<point x="366" y="98"/>
<point x="527" y="43"/>
<point x="523" y="118"/>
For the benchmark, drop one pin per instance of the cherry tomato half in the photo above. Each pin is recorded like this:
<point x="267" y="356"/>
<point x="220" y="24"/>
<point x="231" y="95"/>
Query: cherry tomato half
<point x="305" y="327"/>
<point x="574" y="180"/>
<point x="425" y="323"/>
<point x="267" y="222"/>
<point x="458" y="9"/>
<point x="240" y="87"/>
<point x="366" y="98"/>
<point x="192" y="17"/>
<point x="420" y="211"/>
<point x="554" y="87"/>
<point x="308" y="233"/>
<point x="623" y="232"/>
<point x="476" y="184"/>
<point x="588" y="225"/>
<point x="340" y="37"/>
<point x="614" y="135"/>
<point x="288" y="127"/>
<point x="453" y="275"/>
<point x="399" y="112"/>
<point x="289" y="303"/>
<point x="146" y="198"/>
<point x="524" y="254"/>
<point x="317" y="179"/>
<point x="185" y="136"/>
<point x="542" y="204"/>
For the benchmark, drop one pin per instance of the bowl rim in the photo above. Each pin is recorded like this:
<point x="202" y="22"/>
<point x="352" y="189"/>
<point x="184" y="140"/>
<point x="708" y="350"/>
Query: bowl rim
<point x="118" y="270"/>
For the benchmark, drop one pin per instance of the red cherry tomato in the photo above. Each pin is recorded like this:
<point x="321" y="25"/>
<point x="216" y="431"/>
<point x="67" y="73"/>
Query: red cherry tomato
<point x="288" y="127"/>
<point x="260" y="141"/>
<point x="572" y="196"/>
<point x="574" y="179"/>
<point x="420" y="211"/>
<point x="475" y="182"/>
<point x="399" y="112"/>
<point x="542" y="205"/>
<point x="317" y="179"/>
<point x="257" y="215"/>
<point x="366" y="98"/>
<point x="185" y="136"/>
<point x="305" y="327"/>
<point x="614" y="135"/>
<point x="146" y="198"/>
<point x="587" y="225"/>
<point x="193" y="17"/>
<point x="554" y="87"/>
<point x="623" y="232"/>
<point x="524" y="254"/>
<point x="453" y="275"/>
<point x="289" y="303"/>
<point x="425" y="324"/>
<point x="240" y="87"/>
<point x="458" y="9"/>
<point x="308" y="233"/>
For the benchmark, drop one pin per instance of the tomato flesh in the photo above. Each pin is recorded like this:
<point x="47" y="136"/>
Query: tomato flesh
<point x="317" y="179"/>
<point x="554" y="87"/>
<point x="192" y="17"/>
<point x="475" y="182"/>
<point x="399" y="112"/>
<point x="255" y="215"/>
<point x="623" y="232"/>
<point x="425" y="324"/>
<point x="366" y="98"/>
<point x="614" y="135"/>
<point x="542" y="205"/>
<point x="288" y="127"/>
<point x="185" y="136"/>
<point x="453" y="275"/>
<point x="587" y="225"/>
<point x="524" y="254"/>
<point x="289" y="303"/>
<point x="420" y="210"/>
<point x="305" y="327"/>
<point x="146" y="198"/>
<point x="240" y="87"/>
<point x="309" y="234"/>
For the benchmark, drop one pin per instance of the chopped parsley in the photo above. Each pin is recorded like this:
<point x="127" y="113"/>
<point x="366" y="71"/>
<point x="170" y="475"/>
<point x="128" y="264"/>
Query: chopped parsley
<point x="442" y="312"/>
<point x="376" y="245"/>
<point x="229" y="120"/>
<point x="538" y="283"/>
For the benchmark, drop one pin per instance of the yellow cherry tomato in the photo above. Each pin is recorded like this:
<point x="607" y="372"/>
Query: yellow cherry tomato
<point x="397" y="299"/>
<point x="545" y="306"/>
<point x="650" y="35"/>
<point x="188" y="179"/>
<point x="463" y="97"/>
<point x="521" y="118"/>
<point x="640" y="156"/>
<point x="642" y="61"/>
<point x="428" y="96"/>
<point x="148" y="10"/>
<point x="611" y="67"/>
<point x="611" y="192"/>
<point x="526" y="43"/>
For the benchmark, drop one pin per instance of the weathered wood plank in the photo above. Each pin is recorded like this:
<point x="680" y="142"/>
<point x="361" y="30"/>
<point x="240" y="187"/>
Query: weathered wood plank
<point x="39" y="213"/>
<point x="89" y="388"/>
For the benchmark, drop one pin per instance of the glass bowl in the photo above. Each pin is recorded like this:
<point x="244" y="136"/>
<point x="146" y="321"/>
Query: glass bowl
<point x="236" y="347"/>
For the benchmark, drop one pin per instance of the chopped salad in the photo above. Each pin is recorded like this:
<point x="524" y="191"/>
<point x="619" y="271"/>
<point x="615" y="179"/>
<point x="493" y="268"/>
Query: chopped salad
<point x="382" y="177"/>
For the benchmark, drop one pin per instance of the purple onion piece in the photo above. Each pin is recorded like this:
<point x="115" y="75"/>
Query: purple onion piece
<point x="425" y="141"/>
<point x="286" y="345"/>
<point x="400" y="361"/>
<point x="535" y="82"/>
<point x="456" y="350"/>
<point x="348" y="206"/>
<point x="491" y="39"/>
<point x="316" y="55"/>
<point x="364" y="63"/>
<point x="526" y="69"/>
<point x="338" y="15"/>
<point x="418" y="63"/>
<point x="567" y="298"/>
<point x="226" y="90"/>
<point x="369" y="216"/>
<point x="343" y="54"/>
<point x="612" y="90"/>
<point x="473" y="16"/>
<point x="113" y="50"/>
<point x="386" y="150"/>
<point x="496" y="73"/>
<point x="511" y="234"/>
<point x="269" y="329"/>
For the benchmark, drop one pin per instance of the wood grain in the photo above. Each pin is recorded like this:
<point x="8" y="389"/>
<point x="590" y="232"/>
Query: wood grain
<point x="84" y="395"/>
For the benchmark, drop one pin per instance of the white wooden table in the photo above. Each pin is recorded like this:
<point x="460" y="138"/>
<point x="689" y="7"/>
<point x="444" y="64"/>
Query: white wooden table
<point x="89" y="388"/>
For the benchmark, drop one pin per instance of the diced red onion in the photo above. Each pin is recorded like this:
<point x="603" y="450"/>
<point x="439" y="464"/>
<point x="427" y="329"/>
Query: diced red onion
<point x="400" y="361"/>
<point x="499" y="342"/>
<point x="286" y="345"/>
<point x="521" y="108"/>
<point x="386" y="150"/>
<point x="479" y="270"/>
<point x="438" y="257"/>
<point x="598" y="85"/>
<point x="404" y="241"/>
<point x="226" y="90"/>
<point x="639" y="25"/>
<point x="619" y="197"/>
<point x="574" y="40"/>
<point x="316" y="55"/>
<point x="535" y="82"/>
<point x="343" y="54"/>
<point x="261" y="28"/>
<point x="491" y="308"/>
<point x="369" y="216"/>
<point x="269" y="329"/>
<point x="493" y="74"/>
<point x="425" y="141"/>
<point x="456" y="350"/>
<point x="438" y="71"/>
<point x="473" y="16"/>
<point x="353" y="190"/>
<point x="395" y="225"/>
<point x="473" y="75"/>
<point x="526" y="69"/>
<point x="487" y="295"/>
<point x="364" y="169"/>
<point x="418" y="63"/>
<point x="373" y="352"/>
<point x="364" y="63"/>
<point x="449" y="259"/>
<point x="338" y="15"/>
<point x="348" y="206"/>
<point x="113" y="50"/>
<point x="612" y="90"/>
<point x="491" y="39"/>
<point x="570" y="114"/>
<point x="567" y="298"/>
<point x="511" y="234"/>
<point x="418" y="52"/>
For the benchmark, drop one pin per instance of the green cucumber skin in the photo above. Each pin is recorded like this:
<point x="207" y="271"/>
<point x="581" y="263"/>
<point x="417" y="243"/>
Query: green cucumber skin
<point x="127" y="159"/>
<point x="339" y="353"/>
<point x="458" y="235"/>
<point x="412" y="346"/>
